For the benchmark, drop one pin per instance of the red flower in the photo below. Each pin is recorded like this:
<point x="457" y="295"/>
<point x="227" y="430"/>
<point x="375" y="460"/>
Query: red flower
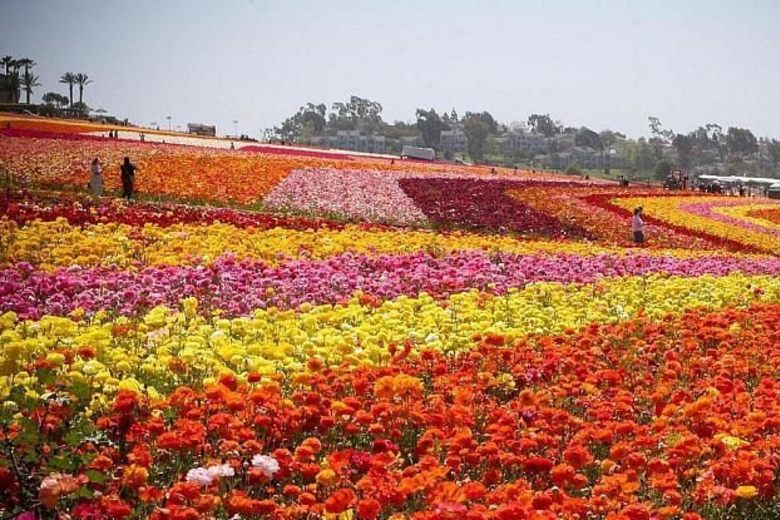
<point x="339" y="501"/>
<point x="368" y="508"/>
<point x="115" y="508"/>
<point x="536" y="464"/>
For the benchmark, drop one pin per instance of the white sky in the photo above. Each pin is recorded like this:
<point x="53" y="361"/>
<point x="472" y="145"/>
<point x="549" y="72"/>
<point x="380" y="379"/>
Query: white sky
<point x="604" y="64"/>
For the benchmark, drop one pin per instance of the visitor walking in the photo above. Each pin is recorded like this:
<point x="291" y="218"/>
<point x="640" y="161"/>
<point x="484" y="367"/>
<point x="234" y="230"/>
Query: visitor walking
<point x="96" y="178"/>
<point x="638" y="226"/>
<point x="128" y="178"/>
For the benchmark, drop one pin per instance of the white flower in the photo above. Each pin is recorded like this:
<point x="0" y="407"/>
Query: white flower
<point x="268" y="465"/>
<point x="222" y="470"/>
<point x="201" y="476"/>
<point x="204" y="477"/>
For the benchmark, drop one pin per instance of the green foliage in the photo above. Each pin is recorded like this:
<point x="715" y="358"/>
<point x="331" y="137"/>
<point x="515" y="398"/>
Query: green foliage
<point x="29" y="82"/>
<point x="543" y="124"/>
<point x="58" y="100"/>
<point x="587" y="137"/>
<point x="356" y="114"/>
<point x="430" y="125"/>
<point x="478" y="126"/>
<point x="69" y="79"/>
<point x="301" y="126"/>
<point x="773" y="147"/>
<point x="639" y="156"/>
<point x="741" y="141"/>
<point x="663" y="168"/>
<point x="684" y="146"/>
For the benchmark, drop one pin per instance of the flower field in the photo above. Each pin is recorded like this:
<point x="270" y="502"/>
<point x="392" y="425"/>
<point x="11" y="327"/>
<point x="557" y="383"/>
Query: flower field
<point x="304" y="335"/>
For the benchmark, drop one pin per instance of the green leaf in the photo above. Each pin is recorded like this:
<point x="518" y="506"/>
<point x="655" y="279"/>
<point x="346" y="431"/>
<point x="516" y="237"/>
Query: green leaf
<point x="96" y="477"/>
<point x="81" y="390"/>
<point x="61" y="462"/>
<point x="46" y="377"/>
<point x="85" y="492"/>
<point x="73" y="438"/>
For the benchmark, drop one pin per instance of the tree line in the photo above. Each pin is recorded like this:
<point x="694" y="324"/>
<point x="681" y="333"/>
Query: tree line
<point x="19" y="78"/>
<point x="707" y="145"/>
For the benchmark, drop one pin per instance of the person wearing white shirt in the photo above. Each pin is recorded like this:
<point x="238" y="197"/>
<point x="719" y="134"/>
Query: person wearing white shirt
<point x="638" y="226"/>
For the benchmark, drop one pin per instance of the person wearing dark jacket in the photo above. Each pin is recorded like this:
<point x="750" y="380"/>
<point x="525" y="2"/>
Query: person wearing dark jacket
<point x="128" y="178"/>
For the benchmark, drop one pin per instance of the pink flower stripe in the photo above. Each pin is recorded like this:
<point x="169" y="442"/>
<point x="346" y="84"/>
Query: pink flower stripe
<point x="295" y="152"/>
<point x="238" y="287"/>
<point x="709" y="210"/>
<point x="369" y="195"/>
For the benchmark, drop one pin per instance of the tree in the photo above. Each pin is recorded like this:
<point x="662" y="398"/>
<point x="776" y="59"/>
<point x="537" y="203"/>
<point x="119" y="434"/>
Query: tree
<point x="356" y="114"/>
<point x="638" y="156"/>
<point x="543" y="124"/>
<point x="431" y="125"/>
<point x="741" y="141"/>
<point x="11" y="83"/>
<point x="27" y="63"/>
<point x="478" y="126"/>
<point x="657" y="130"/>
<point x="82" y="80"/>
<point x="587" y="137"/>
<point x="773" y="147"/>
<point x="69" y="79"/>
<point x="454" y="116"/>
<point x="29" y="82"/>
<point x="81" y="108"/>
<point x="663" y="169"/>
<point x="7" y="61"/>
<point x="307" y="122"/>
<point x="608" y="137"/>
<point x="58" y="100"/>
<point x="684" y="146"/>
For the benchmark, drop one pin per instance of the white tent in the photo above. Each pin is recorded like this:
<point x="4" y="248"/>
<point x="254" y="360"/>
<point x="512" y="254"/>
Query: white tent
<point x="729" y="179"/>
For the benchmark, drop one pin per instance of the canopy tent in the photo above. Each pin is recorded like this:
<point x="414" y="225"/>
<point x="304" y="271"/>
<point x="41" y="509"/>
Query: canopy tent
<point x="730" y="179"/>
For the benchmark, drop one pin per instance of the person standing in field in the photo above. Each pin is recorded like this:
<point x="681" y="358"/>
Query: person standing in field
<point x="128" y="178"/>
<point x="638" y="226"/>
<point x="96" y="178"/>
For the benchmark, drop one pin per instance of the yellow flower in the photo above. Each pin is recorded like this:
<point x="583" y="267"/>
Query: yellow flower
<point x="327" y="477"/>
<point x="746" y="492"/>
<point x="730" y="441"/>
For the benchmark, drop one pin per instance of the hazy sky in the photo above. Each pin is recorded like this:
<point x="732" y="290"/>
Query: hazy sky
<point x="604" y="64"/>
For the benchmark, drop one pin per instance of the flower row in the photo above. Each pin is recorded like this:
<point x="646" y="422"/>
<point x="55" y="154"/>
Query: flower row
<point x="360" y="331"/>
<point x="48" y="245"/>
<point x="635" y="421"/>
<point x="237" y="288"/>
<point x="699" y="215"/>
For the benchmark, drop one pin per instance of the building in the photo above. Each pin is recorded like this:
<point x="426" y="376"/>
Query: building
<point x="454" y="140"/>
<point x="199" y="129"/>
<point x="352" y="140"/>
<point x="521" y="142"/>
<point x="412" y="140"/>
<point x="583" y="157"/>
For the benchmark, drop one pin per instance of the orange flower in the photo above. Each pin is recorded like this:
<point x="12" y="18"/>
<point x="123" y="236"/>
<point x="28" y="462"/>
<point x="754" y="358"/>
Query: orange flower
<point x="339" y="501"/>
<point x="134" y="476"/>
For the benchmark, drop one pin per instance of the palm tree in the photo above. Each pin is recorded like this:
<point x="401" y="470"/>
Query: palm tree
<point x="29" y="82"/>
<point x="27" y="63"/>
<point x="69" y="79"/>
<point x="11" y="84"/>
<point x="82" y="80"/>
<point x="6" y="62"/>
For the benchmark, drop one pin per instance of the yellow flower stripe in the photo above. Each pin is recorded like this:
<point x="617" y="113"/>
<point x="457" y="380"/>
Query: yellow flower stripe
<point x="668" y="210"/>
<point x="144" y="352"/>
<point x="742" y="212"/>
<point x="48" y="245"/>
